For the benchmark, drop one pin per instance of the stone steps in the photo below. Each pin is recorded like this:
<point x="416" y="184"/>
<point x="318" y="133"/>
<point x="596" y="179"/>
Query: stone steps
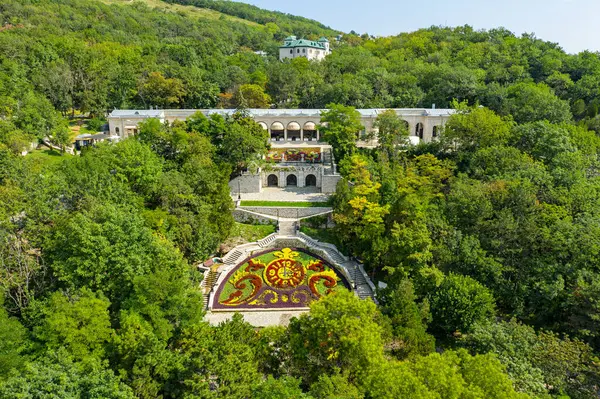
<point x="233" y="256"/>
<point x="267" y="240"/>
<point x="211" y="278"/>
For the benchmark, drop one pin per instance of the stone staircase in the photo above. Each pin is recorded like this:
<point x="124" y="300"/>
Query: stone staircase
<point x="288" y="236"/>
<point x="210" y="278"/>
<point x="361" y="286"/>
<point x="267" y="240"/>
<point x="233" y="256"/>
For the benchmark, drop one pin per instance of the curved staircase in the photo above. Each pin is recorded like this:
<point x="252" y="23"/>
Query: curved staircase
<point x="288" y="236"/>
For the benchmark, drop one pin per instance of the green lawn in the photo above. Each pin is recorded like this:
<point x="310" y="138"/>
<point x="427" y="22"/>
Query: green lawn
<point x="286" y="204"/>
<point x="47" y="157"/>
<point x="251" y="232"/>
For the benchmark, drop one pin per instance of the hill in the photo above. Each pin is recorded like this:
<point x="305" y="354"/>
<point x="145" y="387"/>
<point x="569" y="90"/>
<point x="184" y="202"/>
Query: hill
<point x="487" y="238"/>
<point x="91" y="56"/>
<point x="297" y="25"/>
<point x="182" y="9"/>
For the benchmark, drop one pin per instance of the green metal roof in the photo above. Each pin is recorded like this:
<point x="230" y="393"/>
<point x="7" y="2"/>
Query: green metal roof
<point x="303" y="43"/>
<point x="323" y="39"/>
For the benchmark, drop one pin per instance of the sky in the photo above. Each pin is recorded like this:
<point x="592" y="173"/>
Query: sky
<point x="573" y="24"/>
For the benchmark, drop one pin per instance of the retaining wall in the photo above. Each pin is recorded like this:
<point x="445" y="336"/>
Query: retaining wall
<point x="283" y="212"/>
<point x="244" y="216"/>
<point x="246" y="184"/>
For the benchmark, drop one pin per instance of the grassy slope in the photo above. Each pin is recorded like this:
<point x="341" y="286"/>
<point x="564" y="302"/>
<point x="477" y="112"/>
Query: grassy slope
<point x="251" y="232"/>
<point x="191" y="11"/>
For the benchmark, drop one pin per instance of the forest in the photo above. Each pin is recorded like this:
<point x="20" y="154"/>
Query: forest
<point x="488" y="239"/>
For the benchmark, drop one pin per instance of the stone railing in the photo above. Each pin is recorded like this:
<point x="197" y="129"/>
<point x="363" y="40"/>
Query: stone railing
<point x="352" y="271"/>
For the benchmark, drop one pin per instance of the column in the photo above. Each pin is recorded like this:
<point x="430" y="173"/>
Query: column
<point x="302" y="134"/>
<point x="281" y="181"/>
<point x="427" y="131"/>
<point x="285" y="134"/>
<point x="412" y="129"/>
<point x="318" y="136"/>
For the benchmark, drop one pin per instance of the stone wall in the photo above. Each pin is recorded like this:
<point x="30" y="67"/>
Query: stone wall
<point x="246" y="184"/>
<point x="300" y="171"/>
<point x="243" y="216"/>
<point x="329" y="183"/>
<point x="283" y="212"/>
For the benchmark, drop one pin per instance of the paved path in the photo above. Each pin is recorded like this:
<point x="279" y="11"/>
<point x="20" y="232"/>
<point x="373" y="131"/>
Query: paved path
<point x="257" y="319"/>
<point x="287" y="227"/>
<point x="288" y="194"/>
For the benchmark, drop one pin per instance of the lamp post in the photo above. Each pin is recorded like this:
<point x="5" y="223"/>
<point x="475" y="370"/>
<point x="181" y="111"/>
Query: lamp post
<point x="239" y="190"/>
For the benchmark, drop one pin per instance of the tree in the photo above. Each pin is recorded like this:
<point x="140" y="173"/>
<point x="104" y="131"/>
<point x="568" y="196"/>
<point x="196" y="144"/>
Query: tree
<point x="528" y="102"/>
<point x="458" y="303"/>
<point x="122" y="245"/>
<point x="214" y="357"/>
<point x="56" y="375"/>
<point x="458" y="374"/>
<point x="340" y="126"/>
<point x="80" y="324"/>
<point x="158" y="91"/>
<point x="282" y="388"/>
<point x="408" y="321"/>
<point x="335" y="386"/>
<point x="341" y="333"/>
<point x="471" y="129"/>
<point x="392" y="132"/>
<point x="251" y="96"/>
<point x="13" y="343"/>
<point x="358" y="215"/>
<point x="538" y="363"/>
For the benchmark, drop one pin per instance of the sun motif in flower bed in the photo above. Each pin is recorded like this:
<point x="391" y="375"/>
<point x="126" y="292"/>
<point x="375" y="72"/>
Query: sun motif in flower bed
<point x="286" y="278"/>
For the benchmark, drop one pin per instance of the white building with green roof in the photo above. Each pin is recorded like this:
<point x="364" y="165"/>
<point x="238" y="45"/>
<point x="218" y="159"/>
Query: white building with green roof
<point x="313" y="50"/>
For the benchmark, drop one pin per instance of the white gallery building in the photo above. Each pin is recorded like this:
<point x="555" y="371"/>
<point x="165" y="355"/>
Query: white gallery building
<point x="298" y="156"/>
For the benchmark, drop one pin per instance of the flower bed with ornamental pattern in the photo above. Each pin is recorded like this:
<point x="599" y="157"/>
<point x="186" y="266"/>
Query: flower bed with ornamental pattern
<point x="285" y="278"/>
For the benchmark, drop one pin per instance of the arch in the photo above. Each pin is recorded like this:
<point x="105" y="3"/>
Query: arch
<point x="272" y="181"/>
<point x="293" y="126"/>
<point x="293" y="131"/>
<point x="117" y="131"/>
<point x="310" y="126"/>
<point x="419" y="130"/>
<point x="310" y="131"/>
<point x="277" y="126"/>
<point x="436" y="130"/>
<point x="263" y="125"/>
<point x="277" y="131"/>
<point x="291" y="180"/>
<point x="311" y="181"/>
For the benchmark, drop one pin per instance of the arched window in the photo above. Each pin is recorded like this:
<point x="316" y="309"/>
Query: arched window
<point x="117" y="131"/>
<point x="293" y="131"/>
<point x="272" y="181"/>
<point x="292" y="180"/>
<point x="277" y="131"/>
<point x="436" y="131"/>
<point x="311" y="181"/>
<point x="419" y="130"/>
